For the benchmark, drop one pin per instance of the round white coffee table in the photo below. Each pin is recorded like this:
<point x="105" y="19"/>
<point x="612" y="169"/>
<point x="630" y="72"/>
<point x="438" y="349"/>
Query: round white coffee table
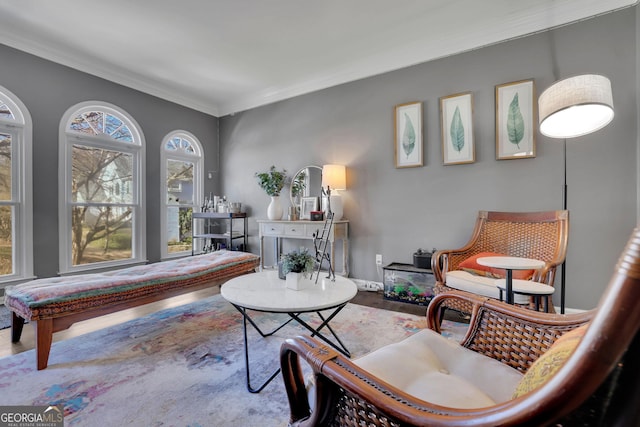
<point x="510" y="263"/>
<point x="265" y="292"/>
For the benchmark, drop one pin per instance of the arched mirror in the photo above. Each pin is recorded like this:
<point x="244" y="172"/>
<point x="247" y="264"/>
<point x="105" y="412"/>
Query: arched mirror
<point x="307" y="182"/>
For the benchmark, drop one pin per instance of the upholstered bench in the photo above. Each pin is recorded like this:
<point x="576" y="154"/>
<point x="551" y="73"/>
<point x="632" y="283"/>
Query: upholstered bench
<point x="54" y="304"/>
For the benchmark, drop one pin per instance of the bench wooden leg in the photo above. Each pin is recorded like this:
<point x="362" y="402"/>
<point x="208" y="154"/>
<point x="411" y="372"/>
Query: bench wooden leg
<point x="44" y="337"/>
<point x="17" y="323"/>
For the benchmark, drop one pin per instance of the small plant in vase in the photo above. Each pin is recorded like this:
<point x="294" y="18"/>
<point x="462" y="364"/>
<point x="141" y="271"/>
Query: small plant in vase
<point x="294" y="264"/>
<point x="272" y="182"/>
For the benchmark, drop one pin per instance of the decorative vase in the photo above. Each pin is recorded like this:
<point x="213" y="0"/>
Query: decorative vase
<point x="298" y="281"/>
<point x="274" y="211"/>
<point x="293" y="280"/>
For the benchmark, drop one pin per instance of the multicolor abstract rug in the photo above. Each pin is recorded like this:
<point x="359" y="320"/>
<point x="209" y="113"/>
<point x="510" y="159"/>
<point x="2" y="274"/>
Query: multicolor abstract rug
<point x="182" y="367"/>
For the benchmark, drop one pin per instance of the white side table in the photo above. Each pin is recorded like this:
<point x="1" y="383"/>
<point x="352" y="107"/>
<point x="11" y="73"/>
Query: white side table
<point x="510" y="263"/>
<point x="529" y="288"/>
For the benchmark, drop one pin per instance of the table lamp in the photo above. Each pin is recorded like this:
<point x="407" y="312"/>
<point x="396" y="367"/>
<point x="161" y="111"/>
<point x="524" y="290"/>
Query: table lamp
<point x="334" y="179"/>
<point x="574" y="107"/>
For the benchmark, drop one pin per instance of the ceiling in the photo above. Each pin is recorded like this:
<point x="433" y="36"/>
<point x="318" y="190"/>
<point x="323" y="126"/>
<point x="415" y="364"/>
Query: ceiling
<point x="225" y="56"/>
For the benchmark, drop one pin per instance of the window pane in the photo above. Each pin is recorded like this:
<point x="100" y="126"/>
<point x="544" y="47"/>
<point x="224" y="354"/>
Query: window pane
<point x="178" y="228"/>
<point x="6" y="240"/>
<point x="101" y="234"/>
<point x="101" y="175"/>
<point x="179" y="182"/>
<point x="5" y="111"/>
<point x="5" y="166"/>
<point x="98" y="122"/>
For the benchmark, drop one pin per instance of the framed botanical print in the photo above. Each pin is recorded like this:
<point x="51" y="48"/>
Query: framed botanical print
<point x="408" y="135"/>
<point x="516" y="115"/>
<point x="456" y="117"/>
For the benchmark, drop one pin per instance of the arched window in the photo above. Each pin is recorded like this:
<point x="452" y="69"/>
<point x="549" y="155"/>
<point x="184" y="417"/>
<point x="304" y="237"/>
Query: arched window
<point x="16" y="203"/>
<point x="181" y="192"/>
<point x="102" y="209"/>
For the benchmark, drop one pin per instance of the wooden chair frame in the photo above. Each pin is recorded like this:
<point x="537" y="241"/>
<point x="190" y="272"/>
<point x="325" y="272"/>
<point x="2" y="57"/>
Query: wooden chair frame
<point x="539" y="235"/>
<point x="598" y="385"/>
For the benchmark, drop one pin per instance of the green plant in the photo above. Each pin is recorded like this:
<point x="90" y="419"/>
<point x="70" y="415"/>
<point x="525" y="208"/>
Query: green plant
<point x="272" y="181"/>
<point x="297" y="262"/>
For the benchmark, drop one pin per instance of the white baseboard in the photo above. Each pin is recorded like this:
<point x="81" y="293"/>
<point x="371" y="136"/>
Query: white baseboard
<point x="368" y="285"/>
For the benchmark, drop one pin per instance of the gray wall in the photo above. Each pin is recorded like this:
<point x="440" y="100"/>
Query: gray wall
<point x="48" y="90"/>
<point x="394" y="211"/>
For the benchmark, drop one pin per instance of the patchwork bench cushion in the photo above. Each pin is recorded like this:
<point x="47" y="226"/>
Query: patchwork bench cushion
<point x="54" y="296"/>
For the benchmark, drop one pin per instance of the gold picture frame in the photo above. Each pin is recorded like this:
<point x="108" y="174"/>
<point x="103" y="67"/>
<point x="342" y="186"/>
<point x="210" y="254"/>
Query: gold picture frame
<point x="408" y="135"/>
<point x="456" y="126"/>
<point x="516" y="117"/>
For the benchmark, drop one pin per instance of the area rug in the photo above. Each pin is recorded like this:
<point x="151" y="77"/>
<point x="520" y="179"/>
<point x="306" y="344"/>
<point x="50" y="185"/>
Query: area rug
<point x="182" y="367"/>
<point x="5" y="317"/>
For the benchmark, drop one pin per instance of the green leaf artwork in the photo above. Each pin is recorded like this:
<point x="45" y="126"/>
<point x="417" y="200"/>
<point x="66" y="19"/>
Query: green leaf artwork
<point x="515" y="122"/>
<point x="457" y="131"/>
<point x="408" y="136"/>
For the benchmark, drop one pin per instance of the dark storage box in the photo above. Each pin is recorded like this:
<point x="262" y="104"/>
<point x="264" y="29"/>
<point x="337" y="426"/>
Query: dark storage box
<point x="406" y="283"/>
<point x="422" y="260"/>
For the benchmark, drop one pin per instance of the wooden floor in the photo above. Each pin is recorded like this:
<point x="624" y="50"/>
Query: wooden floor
<point x="369" y="298"/>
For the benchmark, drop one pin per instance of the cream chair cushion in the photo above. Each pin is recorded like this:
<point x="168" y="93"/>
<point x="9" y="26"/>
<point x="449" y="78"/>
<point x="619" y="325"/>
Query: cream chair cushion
<point x="479" y="285"/>
<point x="439" y="370"/>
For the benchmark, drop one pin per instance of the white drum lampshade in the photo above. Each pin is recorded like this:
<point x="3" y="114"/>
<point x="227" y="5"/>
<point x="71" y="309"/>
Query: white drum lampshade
<point x="576" y="106"/>
<point x="334" y="178"/>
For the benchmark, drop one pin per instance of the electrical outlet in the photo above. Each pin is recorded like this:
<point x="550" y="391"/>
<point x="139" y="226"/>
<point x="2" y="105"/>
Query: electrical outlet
<point x="378" y="259"/>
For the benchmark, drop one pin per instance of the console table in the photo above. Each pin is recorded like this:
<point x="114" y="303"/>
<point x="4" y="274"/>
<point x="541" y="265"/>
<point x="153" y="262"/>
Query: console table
<point x="279" y="230"/>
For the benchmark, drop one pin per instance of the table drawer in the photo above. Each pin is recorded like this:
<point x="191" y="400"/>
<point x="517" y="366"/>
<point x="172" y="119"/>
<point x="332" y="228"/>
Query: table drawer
<point x="294" y="230"/>
<point x="273" y="229"/>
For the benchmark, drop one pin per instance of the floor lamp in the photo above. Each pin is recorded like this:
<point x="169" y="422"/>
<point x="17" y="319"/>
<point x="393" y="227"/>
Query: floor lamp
<point x="570" y="108"/>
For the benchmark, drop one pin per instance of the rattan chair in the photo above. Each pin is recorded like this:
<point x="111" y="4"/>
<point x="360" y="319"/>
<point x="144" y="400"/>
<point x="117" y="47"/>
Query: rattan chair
<point x="597" y="385"/>
<point x="538" y="235"/>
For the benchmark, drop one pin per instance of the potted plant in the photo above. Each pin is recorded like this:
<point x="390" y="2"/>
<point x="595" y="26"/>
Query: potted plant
<point x="272" y="182"/>
<point x="294" y="264"/>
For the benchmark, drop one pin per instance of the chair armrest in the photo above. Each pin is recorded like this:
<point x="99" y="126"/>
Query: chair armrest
<point x="511" y="334"/>
<point x="342" y="388"/>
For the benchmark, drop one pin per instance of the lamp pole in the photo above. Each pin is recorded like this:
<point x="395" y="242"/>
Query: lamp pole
<point x="564" y="206"/>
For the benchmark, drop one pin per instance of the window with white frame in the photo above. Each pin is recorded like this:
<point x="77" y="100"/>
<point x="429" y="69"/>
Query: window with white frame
<point x="182" y="186"/>
<point x="16" y="223"/>
<point x="102" y="209"/>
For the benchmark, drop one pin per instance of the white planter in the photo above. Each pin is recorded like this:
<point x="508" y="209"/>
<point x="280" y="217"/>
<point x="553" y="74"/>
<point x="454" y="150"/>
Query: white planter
<point x="297" y="281"/>
<point x="274" y="210"/>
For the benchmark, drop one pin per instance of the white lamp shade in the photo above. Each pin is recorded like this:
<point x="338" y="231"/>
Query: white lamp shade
<point x="334" y="176"/>
<point x="576" y="106"/>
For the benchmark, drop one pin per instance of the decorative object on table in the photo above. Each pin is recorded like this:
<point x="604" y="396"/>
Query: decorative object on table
<point x="570" y="108"/>
<point x="272" y="182"/>
<point x="235" y="207"/>
<point x="515" y="118"/>
<point x="422" y="258"/>
<point x="293" y="214"/>
<point x="456" y="117"/>
<point x="306" y="182"/>
<point x="298" y="186"/>
<point x="407" y="283"/>
<point x="309" y="204"/>
<point x="296" y="266"/>
<point x="334" y="178"/>
<point x="316" y="215"/>
<point x="321" y="243"/>
<point x="408" y="135"/>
